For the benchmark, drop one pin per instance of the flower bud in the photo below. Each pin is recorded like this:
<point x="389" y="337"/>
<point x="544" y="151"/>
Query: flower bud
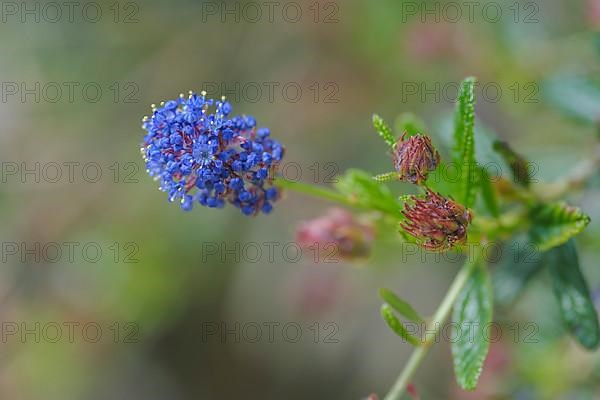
<point x="414" y="158"/>
<point x="436" y="222"/>
<point x="336" y="235"/>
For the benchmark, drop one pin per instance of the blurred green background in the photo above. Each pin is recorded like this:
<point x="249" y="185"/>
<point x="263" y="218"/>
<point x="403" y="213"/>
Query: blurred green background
<point x="147" y="314"/>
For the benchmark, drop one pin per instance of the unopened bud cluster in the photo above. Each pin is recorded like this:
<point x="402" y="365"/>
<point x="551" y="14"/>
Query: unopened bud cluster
<point x="437" y="223"/>
<point x="414" y="158"/>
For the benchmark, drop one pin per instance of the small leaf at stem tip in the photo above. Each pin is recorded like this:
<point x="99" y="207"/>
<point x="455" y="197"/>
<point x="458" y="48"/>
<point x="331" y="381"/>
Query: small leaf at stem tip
<point x="396" y="325"/>
<point x="384" y="130"/>
<point x="387" y="177"/>
<point x="401" y="306"/>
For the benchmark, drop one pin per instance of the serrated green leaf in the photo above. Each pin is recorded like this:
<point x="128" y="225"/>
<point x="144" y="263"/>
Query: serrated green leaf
<point x="570" y="288"/>
<point x="401" y="306"/>
<point x="473" y="314"/>
<point x="555" y="223"/>
<point x="384" y="130"/>
<point x="409" y="123"/>
<point x="396" y="325"/>
<point x="362" y="190"/>
<point x="485" y="138"/>
<point x="387" y="177"/>
<point x="464" y="143"/>
<point x="521" y="261"/>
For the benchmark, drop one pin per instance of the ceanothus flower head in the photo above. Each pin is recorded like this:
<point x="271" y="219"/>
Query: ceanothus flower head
<point x="211" y="158"/>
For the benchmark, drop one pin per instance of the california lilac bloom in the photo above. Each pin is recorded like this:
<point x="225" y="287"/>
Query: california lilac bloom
<point x="211" y="158"/>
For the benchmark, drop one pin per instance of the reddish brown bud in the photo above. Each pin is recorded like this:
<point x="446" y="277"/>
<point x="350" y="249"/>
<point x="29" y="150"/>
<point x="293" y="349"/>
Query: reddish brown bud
<point x="336" y="235"/>
<point x="436" y="222"/>
<point x="414" y="158"/>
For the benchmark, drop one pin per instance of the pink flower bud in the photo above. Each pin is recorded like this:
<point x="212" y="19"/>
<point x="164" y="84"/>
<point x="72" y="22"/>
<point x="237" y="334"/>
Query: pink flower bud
<point x="436" y="222"/>
<point x="336" y="235"/>
<point x="414" y="158"/>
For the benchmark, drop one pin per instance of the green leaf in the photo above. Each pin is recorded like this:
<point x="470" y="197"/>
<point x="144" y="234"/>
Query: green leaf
<point x="520" y="263"/>
<point x="395" y="325"/>
<point x="384" y="130"/>
<point x="517" y="164"/>
<point x="488" y="194"/>
<point x="555" y="223"/>
<point x="485" y="138"/>
<point x="364" y="191"/>
<point x="464" y="143"/>
<point x="570" y="288"/>
<point x="473" y="314"/>
<point x="409" y="123"/>
<point x="400" y="305"/>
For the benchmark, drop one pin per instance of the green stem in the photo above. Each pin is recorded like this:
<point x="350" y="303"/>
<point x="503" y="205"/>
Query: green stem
<point x="437" y="320"/>
<point x="315" y="191"/>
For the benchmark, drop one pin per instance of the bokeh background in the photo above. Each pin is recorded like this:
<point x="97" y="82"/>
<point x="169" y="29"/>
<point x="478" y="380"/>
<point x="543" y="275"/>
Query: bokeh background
<point x="169" y="307"/>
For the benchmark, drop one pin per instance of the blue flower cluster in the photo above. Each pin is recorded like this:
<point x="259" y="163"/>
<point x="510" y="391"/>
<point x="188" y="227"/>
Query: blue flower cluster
<point x="210" y="158"/>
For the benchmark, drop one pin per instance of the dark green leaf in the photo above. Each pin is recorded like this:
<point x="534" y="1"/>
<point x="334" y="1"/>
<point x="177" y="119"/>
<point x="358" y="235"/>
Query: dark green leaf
<point x="400" y="305"/>
<point x="395" y="325"/>
<point x="464" y="143"/>
<point x="554" y="224"/>
<point x="517" y="164"/>
<point x="570" y="288"/>
<point x="364" y="191"/>
<point x="488" y="194"/>
<point x="384" y="130"/>
<point x="473" y="314"/>
<point x="521" y="262"/>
